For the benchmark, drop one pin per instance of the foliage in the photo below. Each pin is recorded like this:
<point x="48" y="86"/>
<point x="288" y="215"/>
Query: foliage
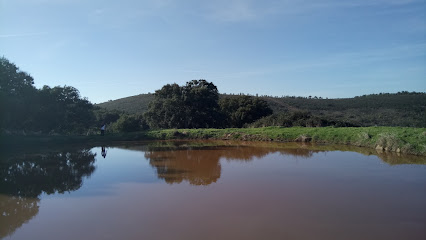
<point x="16" y="96"/>
<point x="299" y="118"/>
<point x="14" y="82"/>
<point x="104" y="116"/>
<point x="194" y="105"/>
<point x="25" y="108"/>
<point x="129" y="123"/>
<point x="132" y="105"/>
<point x="405" y="109"/>
<point x="62" y="109"/>
<point x="240" y="110"/>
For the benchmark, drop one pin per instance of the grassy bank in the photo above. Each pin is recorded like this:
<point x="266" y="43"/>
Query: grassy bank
<point x="392" y="139"/>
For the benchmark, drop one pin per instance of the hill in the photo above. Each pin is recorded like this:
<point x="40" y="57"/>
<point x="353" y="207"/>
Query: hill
<point x="406" y="109"/>
<point x="133" y="105"/>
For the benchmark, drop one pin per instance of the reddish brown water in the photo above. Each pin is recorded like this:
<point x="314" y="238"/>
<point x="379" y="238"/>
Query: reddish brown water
<point x="213" y="190"/>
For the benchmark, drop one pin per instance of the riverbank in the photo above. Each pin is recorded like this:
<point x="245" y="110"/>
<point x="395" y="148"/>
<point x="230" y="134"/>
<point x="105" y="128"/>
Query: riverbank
<point x="390" y="139"/>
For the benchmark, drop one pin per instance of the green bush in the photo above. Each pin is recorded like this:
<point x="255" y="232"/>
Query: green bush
<point x="129" y="123"/>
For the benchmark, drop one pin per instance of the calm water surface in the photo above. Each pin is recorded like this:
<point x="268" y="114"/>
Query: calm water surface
<point x="212" y="190"/>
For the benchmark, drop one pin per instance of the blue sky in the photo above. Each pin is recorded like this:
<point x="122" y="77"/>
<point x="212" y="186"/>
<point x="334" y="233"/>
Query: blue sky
<point x="114" y="49"/>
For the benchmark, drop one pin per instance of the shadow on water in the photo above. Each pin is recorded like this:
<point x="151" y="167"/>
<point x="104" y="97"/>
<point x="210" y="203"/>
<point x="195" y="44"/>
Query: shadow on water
<point x="26" y="177"/>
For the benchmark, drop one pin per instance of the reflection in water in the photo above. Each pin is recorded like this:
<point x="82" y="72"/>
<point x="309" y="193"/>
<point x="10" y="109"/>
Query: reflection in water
<point x="192" y="166"/>
<point x="103" y="152"/>
<point x="25" y="177"/>
<point x="16" y="211"/>
<point x="199" y="163"/>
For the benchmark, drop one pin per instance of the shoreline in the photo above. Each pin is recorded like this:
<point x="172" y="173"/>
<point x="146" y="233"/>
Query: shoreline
<point x="403" y="140"/>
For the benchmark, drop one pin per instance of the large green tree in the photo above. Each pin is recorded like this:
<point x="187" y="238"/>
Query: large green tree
<point x="17" y="93"/>
<point x="201" y="101"/>
<point x="63" y="109"/>
<point x="194" y="105"/>
<point x="23" y="107"/>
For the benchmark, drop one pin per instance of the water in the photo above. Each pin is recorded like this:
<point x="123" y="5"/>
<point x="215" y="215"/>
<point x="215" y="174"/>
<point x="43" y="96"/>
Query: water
<point x="212" y="190"/>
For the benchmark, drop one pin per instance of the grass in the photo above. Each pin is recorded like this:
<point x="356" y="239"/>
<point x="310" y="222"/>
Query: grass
<point x="391" y="139"/>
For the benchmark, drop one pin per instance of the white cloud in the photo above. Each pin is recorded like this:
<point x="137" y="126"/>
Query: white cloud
<point x="232" y="10"/>
<point x="247" y="10"/>
<point x="22" y="35"/>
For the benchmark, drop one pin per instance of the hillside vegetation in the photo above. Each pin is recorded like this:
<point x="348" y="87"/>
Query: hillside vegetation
<point x="405" y="109"/>
<point x="133" y="105"/>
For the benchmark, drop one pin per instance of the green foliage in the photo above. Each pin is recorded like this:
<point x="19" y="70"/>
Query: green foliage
<point x="104" y="116"/>
<point x="14" y="82"/>
<point x="25" y="108"/>
<point x="132" y="105"/>
<point x="16" y="96"/>
<point x="241" y="110"/>
<point x="300" y="119"/>
<point x="201" y="101"/>
<point x="191" y="106"/>
<point x="405" y="109"/>
<point x="129" y="123"/>
<point x="62" y="110"/>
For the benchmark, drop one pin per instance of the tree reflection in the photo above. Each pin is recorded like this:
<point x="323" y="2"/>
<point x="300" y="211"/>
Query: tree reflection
<point x="26" y="177"/>
<point x="200" y="165"/>
<point x="15" y="211"/>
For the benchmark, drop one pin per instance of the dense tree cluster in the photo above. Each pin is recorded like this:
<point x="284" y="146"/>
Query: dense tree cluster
<point x="197" y="105"/>
<point x="194" y="105"/>
<point x="242" y="110"/>
<point x="299" y="119"/>
<point x="23" y="107"/>
<point x="129" y="123"/>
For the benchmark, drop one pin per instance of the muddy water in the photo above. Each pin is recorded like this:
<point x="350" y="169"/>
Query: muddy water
<point x="212" y="190"/>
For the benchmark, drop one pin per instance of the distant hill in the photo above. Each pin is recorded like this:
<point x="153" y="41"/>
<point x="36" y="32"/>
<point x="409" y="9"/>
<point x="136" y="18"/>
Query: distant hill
<point x="134" y="104"/>
<point x="387" y="109"/>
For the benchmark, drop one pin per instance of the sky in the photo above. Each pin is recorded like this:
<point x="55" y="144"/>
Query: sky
<point x="113" y="49"/>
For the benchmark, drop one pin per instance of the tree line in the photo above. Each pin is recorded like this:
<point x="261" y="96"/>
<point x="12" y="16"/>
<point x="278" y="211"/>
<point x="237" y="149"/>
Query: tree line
<point x="23" y="107"/>
<point x="197" y="104"/>
<point x="62" y="110"/>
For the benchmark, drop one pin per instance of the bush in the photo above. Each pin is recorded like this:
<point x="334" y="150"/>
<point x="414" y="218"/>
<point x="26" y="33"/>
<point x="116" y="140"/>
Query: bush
<point x="300" y="119"/>
<point x="129" y="123"/>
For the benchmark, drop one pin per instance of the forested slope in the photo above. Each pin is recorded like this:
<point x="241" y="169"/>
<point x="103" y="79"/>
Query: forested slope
<point x="388" y="109"/>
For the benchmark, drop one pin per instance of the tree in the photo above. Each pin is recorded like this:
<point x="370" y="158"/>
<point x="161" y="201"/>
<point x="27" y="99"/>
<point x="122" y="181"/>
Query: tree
<point x="194" y="105"/>
<point x="16" y="95"/>
<point x="14" y="81"/>
<point x="201" y="101"/>
<point x="129" y="123"/>
<point x="167" y="110"/>
<point x="23" y="107"/>
<point x="242" y="110"/>
<point x="63" y="110"/>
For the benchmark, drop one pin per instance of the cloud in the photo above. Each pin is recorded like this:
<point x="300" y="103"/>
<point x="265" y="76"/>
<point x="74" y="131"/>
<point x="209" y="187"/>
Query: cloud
<point x="123" y="13"/>
<point x="232" y="10"/>
<point x="248" y="10"/>
<point x="22" y="35"/>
